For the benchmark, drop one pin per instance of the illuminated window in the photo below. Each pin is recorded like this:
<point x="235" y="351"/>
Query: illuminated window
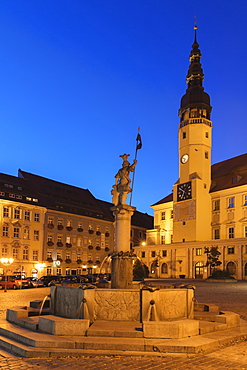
<point x="231" y="232"/>
<point x="27" y="215"/>
<point x="216" y="205"/>
<point x="5" y="231"/>
<point x="230" y="202"/>
<point x="5" y="212"/>
<point x="35" y="200"/>
<point x="163" y="239"/>
<point x="36" y="217"/>
<point x="198" y="251"/>
<point x="29" y="199"/>
<point x="79" y="242"/>
<point x="216" y="233"/>
<point x="68" y="239"/>
<point x="36" y="234"/>
<point x="26" y="233"/>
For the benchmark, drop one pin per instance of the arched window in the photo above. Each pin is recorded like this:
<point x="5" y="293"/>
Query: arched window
<point x="164" y="268"/>
<point x="231" y="267"/>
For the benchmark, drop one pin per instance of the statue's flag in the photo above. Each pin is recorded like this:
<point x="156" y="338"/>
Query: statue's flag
<point x="138" y="141"/>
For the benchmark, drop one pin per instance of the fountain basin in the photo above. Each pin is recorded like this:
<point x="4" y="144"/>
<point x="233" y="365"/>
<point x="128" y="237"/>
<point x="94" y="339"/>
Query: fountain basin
<point x="122" y="305"/>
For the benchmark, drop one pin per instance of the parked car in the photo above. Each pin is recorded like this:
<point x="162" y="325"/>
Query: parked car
<point x="35" y="282"/>
<point x="13" y="282"/>
<point x="47" y="279"/>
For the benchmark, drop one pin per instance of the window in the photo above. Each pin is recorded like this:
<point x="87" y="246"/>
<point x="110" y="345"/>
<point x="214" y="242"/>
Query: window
<point x="36" y="234"/>
<point x="206" y="155"/>
<point x="5" y="231"/>
<point x="163" y="239"/>
<point x="35" y="200"/>
<point x="49" y="238"/>
<point x="35" y="255"/>
<point x="11" y="195"/>
<point x="25" y="254"/>
<point x="216" y="234"/>
<point x="15" y="253"/>
<point x="69" y="224"/>
<point x="48" y="271"/>
<point x="4" y="251"/>
<point x="171" y="214"/>
<point x="17" y="213"/>
<point x="79" y="242"/>
<point x="231" y="232"/>
<point x="26" y="233"/>
<point x="143" y="254"/>
<point x="18" y="196"/>
<point x="68" y="239"/>
<point x="16" y="232"/>
<point x="153" y="254"/>
<point x="171" y="238"/>
<point x="245" y="231"/>
<point x="50" y="220"/>
<point x="59" y="255"/>
<point x="164" y="268"/>
<point x="206" y="134"/>
<point x="29" y="199"/>
<point x="79" y="225"/>
<point x="67" y="257"/>
<point x="184" y="135"/>
<point x="164" y="253"/>
<point x="198" y="251"/>
<point x="216" y="205"/>
<point x="36" y="217"/>
<point x="230" y="202"/>
<point x="48" y="254"/>
<point x="163" y="215"/>
<point x="27" y="215"/>
<point x="245" y="200"/>
<point x="2" y="193"/>
<point x="5" y="212"/>
<point x="59" y="239"/>
<point x="230" y="250"/>
<point x="59" y="271"/>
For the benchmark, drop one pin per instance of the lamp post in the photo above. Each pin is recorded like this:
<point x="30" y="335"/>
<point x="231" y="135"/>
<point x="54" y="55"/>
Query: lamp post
<point x="6" y="262"/>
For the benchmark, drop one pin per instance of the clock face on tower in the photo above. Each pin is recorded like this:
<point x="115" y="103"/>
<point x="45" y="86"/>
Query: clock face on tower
<point x="184" y="158"/>
<point x="184" y="191"/>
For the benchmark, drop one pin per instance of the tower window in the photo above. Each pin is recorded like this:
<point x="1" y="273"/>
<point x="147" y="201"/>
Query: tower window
<point x="184" y="135"/>
<point x="206" y="134"/>
<point x="206" y="155"/>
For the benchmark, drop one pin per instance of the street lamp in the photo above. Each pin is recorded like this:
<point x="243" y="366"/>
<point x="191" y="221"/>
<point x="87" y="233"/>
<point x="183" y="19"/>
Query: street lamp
<point x="6" y="262"/>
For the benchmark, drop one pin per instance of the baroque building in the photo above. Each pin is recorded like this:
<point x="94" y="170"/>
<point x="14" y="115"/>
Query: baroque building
<point x="208" y="205"/>
<point x="53" y="228"/>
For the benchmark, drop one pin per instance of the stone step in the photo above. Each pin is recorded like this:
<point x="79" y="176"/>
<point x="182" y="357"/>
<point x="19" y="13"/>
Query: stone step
<point x="115" y="329"/>
<point x="210" y="327"/>
<point x="206" y="316"/>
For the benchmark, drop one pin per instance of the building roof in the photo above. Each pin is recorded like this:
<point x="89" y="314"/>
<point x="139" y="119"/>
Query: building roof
<point x="225" y="175"/>
<point x="229" y="173"/>
<point x="71" y="199"/>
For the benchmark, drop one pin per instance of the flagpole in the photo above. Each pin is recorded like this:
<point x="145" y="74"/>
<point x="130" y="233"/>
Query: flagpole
<point x="138" y="146"/>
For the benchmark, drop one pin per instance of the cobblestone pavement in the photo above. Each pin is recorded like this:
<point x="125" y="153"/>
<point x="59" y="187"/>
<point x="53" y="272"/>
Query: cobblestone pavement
<point x="229" y="296"/>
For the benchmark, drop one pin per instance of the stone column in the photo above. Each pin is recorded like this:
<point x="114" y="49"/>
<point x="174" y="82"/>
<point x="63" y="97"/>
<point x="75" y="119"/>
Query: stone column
<point x="122" y="262"/>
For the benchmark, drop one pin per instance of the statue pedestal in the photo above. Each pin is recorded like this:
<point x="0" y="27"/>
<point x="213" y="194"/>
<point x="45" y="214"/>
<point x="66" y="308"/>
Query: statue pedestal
<point x="122" y="265"/>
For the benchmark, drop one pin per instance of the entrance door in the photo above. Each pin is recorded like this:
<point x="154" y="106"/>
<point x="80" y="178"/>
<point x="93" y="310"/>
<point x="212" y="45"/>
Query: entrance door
<point x="199" y="270"/>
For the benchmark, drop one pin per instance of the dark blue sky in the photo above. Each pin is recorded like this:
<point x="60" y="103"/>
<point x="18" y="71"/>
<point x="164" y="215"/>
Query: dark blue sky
<point x="77" y="78"/>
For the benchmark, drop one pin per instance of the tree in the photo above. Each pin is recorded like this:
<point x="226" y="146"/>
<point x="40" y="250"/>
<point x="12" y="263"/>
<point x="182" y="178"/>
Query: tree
<point x="140" y="270"/>
<point x="212" y="257"/>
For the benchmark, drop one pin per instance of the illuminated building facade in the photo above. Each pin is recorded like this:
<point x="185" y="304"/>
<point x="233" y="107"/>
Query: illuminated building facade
<point x="53" y="228"/>
<point x="208" y="206"/>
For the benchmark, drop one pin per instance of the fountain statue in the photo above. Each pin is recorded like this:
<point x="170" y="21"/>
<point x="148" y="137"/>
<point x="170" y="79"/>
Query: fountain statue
<point x="122" y="262"/>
